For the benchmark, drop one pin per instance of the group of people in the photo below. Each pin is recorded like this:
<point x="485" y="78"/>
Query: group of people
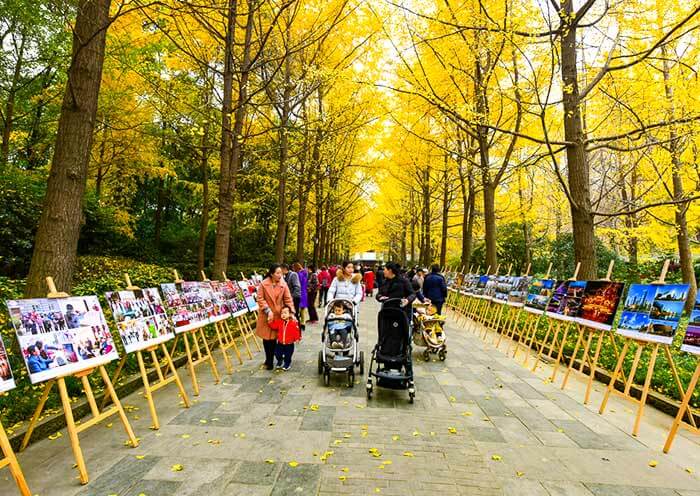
<point x="287" y="298"/>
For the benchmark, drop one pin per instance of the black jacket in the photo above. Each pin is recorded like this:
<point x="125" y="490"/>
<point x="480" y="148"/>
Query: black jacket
<point x="397" y="287"/>
<point x="435" y="287"/>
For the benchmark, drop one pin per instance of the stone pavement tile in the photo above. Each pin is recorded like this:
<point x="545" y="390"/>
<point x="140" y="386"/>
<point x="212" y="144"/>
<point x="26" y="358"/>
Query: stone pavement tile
<point x="120" y="476"/>
<point x="202" y="410"/>
<point x="566" y="488"/>
<point x="457" y="394"/>
<point x="253" y="384"/>
<point x="559" y="439"/>
<point x="475" y="388"/>
<point x="318" y="420"/>
<point x="536" y="462"/>
<point x="302" y="479"/>
<point x="491" y="405"/>
<point x="533" y="420"/>
<point x="582" y="435"/>
<point x="523" y="486"/>
<point x="549" y="409"/>
<point x="293" y="404"/>
<point x="486" y="434"/>
<point x="195" y="472"/>
<point x="514" y="431"/>
<point x="615" y="490"/>
<point x="257" y="473"/>
<point x="234" y="488"/>
<point x="526" y="391"/>
<point x="153" y="488"/>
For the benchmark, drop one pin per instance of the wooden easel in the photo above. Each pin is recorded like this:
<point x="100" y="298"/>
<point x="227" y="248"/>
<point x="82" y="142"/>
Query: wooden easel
<point x="10" y="460"/>
<point x="529" y="328"/>
<point x="162" y="381"/>
<point x="514" y="318"/>
<point x="512" y="312"/>
<point x="641" y="345"/>
<point x="245" y="328"/>
<point x="682" y="409"/>
<point x="97" y="416"/>
<point x="478" y="309"/>
<point x="586" y="358"/>
<point x="498" y="314"/>
<point x="195" y="334"/>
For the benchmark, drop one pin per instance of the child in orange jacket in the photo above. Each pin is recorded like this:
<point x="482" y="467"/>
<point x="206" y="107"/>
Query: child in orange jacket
<point x="288" y="333"/>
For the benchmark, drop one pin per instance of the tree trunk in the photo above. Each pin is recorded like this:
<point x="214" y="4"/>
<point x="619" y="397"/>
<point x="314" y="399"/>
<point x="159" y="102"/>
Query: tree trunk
<point x="525" y="225"/>
<point x="685" y="254"/>
<point x="577" y="164"/>
<point x="226" y="151"/>
<point x="427" y="247"/>
<point x="56" y="242"/>
<point x="489" y="194"/>
<point x="204" y="221"/>
<point x="10" y="106"/>
<point x="158" y="215"/>
<point x="445" y="215"/>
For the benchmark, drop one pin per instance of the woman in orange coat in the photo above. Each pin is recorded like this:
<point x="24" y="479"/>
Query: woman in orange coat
<point x="272" y="295"/>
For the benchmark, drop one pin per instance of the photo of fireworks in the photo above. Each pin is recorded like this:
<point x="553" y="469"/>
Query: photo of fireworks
<point x="599" y="304"/>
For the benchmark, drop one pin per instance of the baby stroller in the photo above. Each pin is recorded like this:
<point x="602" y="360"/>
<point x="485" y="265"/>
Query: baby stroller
<point x="428" y="331"/>
<point x="393" y="351"/>
<point x="340" y="350"/>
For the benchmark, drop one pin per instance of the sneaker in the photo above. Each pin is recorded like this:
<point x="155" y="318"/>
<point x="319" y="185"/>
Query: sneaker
<point x="287" y="367"/>
<point x="279" y="365"/>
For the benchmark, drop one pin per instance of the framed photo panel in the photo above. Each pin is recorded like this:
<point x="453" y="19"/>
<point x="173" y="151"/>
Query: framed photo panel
<point x="7" y="381"/>
<point x="691" y="341"/>
<point x="651" y="312"/>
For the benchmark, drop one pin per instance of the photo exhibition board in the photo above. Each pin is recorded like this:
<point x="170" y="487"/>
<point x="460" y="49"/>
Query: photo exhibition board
<point x="190" y="304"/>
<point x="518" y="294"/>
<point x="538" y="295"/>
<point x="249" y="295"/>
<point x="229" y="297"/>
<point x="565" y="303"/>
<point x="61" y="336"/>
<point x="691" y="342"/>
<point x="651" y="312"/>
<point x="7" y="381"/>
<point x="141" y="318"/>
<point x="599" y="304"/>
<point x="503" y="287"/>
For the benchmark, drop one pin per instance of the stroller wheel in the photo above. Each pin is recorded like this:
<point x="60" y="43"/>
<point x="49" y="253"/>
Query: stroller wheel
<point x="326" y="378"/>
<point x="362" y="363"/>
<point x="320" y="362"/>
<point x="351" y="379"/>
<point x="426" y="355"/>
<point x="411" y="396"/>
<point x="369" y="390"/>
<point x="442" y="354"/>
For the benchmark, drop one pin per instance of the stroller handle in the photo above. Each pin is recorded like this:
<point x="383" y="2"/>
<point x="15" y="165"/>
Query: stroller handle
<point x="388" y="300"/>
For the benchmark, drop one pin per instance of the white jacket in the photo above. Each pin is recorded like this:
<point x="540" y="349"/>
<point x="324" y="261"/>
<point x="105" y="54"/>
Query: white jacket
<point x="349" y="289"/>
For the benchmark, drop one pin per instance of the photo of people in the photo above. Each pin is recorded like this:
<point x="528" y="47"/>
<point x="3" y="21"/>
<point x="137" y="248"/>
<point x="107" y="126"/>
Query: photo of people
<point x="691" y="341"/>
<point x="518" y="293"/>
<point x="490" y="288"/>
<point x="189" y="304"/>
<point x="62" y="335"/>
<point x="7" y="382"/>
<point x="249" y="295"/>
<point x="229" y="299"/>
<point x="651" y="312"/>
<point x="539" y="294"/>
<point x="140" y="317"/>
<point x="599" y="304"/>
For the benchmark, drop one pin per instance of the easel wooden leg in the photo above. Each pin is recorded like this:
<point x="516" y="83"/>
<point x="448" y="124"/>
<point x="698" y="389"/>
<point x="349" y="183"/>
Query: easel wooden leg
<point x="593" y="367"/>
<point x="11" y="461"/>
<point x="242" y="331"/>
<point x="579" y="340"/>
<point x="175" y="341"/>
<point x="222" y="345"/>
<point x="251" y="332"/>
<point x="529" y="323"/>
<point x="532" y="339"/>
<point x="37" y="414"/>
<point x="682" y="409"/>
<point x="212" y="363"/>
<point x="586" y="350"/>
<point x="72" y="431"/>
<point x="676" y="377"/>
<point x="560" y="353"/>
<point x="169" y="359"/>
<point x="544" y="342"/>
<point x="147" y="391"/>
<point x="645" y="391"/>
<point x="88" y="394"/>
<point x="115" y="378"/>
<point x="118" y="406"/>
<point x="190" y="366"/>
<point x="232" y="340"/>
<point x="633" y="370"/>
<point x="616" y="373"/>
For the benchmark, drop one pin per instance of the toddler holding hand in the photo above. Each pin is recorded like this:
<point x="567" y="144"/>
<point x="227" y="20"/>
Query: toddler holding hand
<point x="288" y="333"/>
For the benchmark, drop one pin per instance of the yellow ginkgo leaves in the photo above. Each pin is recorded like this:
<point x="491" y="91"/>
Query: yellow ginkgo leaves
<point x="177" y="467"/>
<point x="293" y="464"/>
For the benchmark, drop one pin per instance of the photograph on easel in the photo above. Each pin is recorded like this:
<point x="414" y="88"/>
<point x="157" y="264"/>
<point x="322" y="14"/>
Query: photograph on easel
<point x="7" y="381"/>
<point x="558" y="299"/>
<point x="691" y="341"/>
<point x="229" y="299"/>
<point x="140" y="317"/>
<point x="249" y="295"/>
<point x="652" y="312"/>
<point x="187" y="310"/>
<point x="59" y="336"/>
<point x="518" y="293"/>
<point x="504" y="285"/>
<point x="538" y="295"/>
<point x="599" y="304"/>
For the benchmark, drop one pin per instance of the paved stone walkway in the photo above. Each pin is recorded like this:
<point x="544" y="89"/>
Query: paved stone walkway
<point x="481" y="424"/>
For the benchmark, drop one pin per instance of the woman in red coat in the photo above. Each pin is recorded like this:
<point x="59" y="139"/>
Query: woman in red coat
<point x="368" y="279"/>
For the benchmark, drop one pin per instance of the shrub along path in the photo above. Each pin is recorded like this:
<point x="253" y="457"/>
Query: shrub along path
<point x="481" y="424"/>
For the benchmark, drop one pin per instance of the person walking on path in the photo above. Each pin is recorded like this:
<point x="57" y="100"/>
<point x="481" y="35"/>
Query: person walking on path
<point x="419" y="277"/>
<point x="272" y="295"/>
<point x="369" y="282"/>
<point x="346" y="284"/>
<point x="292" y="280"/>
<point x="288" y="333"/>
<point x="312" y="291"/>
<point x="435" y="288"/>
<point x="324" y="279"/>
<point x="396" y="286"/>
<point x="379" y="276"/>
<point x="303" y="294"/>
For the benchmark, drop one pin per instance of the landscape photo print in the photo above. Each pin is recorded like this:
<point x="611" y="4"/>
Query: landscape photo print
<point x="651" y="312"/>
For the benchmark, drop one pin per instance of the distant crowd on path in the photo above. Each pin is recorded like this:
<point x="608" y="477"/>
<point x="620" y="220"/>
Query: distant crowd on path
<point x="288" y="297"/>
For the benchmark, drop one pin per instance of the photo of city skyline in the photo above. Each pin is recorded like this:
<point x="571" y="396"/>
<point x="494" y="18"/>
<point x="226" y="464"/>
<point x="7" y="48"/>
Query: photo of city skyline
<point x="691" y="341"/>
<point x="652" y="312"/>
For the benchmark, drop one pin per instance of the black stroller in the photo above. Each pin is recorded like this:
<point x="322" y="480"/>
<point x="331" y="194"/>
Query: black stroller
<point x="393" y="351"/>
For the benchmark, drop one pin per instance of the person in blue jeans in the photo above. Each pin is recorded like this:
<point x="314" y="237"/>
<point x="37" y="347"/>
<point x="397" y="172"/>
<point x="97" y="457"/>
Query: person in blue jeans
<point x="435" y="288"/>
<point x="288" y="333"/>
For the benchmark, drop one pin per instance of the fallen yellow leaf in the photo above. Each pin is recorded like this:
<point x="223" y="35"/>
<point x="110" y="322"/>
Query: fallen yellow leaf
<point x="452" y="430"/>
<point x="345" y="469"/>
<point x="177" y="468"/>
<point x="293" y="464"/>
<point x="395" y="438"/>
<point x="140" y="457"/>
<point x="466" y="414"/>
<point x="519" y="474"/>
<point x="496" y="458"/>
<point x="408" y="454"/>
<point x="653" y="463"/>
<point x="342" y="478"/>
<point x="269" y="460"/>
